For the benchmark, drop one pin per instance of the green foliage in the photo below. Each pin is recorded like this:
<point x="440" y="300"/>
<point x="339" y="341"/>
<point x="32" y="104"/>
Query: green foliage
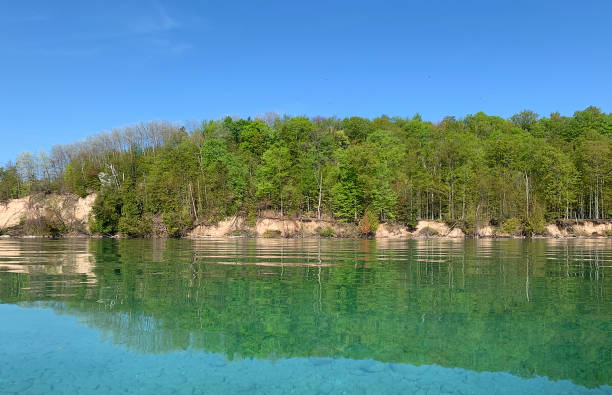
<point x="328" y="231"/>
<point x="256" y="138"/>
<point x="535" y="223"/>
<point x="178" y="223"/>
<point x="357" y="129"/>
<point x="224" y="173"/>
<point x="81" y="178"/>
<point x="345" y="197"/>
<point x="272" y="233"/>
<point x="55" y="228"/>
<point x="106" y="213"/>
<point x="428" y="232"/>
<point x="9" y="183"/>
<point x="473" y="171"/>
<point x="526" y="119"/>
<point x="133" y="222"/>
<point x="241" y="233"/>
<point x="273" y="176"/>
<point x="40" y="226"/>
<point x="512" y="226"/>
<point x="368" y="224"/>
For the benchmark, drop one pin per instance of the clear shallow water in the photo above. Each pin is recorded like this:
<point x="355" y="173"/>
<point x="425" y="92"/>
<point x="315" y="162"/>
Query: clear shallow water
<point x="305" y="316"/>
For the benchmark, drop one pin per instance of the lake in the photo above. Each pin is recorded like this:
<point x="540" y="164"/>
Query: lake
<point x="305" y="316"/>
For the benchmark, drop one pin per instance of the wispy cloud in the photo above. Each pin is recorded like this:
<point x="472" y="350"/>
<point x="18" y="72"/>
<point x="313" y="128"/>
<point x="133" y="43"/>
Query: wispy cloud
<point x="148" y="29"/>
<point x="77" y="52"/>
<point x="173" y="46"/>
<point x="24" y="19"/>
<point x="157" y="21"/>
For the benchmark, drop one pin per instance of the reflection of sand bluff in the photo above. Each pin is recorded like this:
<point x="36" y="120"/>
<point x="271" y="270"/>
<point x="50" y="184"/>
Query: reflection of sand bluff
<point x="10" y="257"/>
<point x="23" y="256"/>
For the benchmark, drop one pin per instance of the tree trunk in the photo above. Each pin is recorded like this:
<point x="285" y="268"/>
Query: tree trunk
<point x="603" y="205"/>
<point x="320" y="195"/>
<point x="527" y="194"/>
<point x="199" y="195"/>
<point x="452" y="198"/>
<point x="463" y="206"/>
<point x="591" y="202"/>
<point x="597" y="198"/>
<point x="195" y="212"/>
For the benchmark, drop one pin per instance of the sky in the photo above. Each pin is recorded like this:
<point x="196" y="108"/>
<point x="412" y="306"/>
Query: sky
<point x="70" y="69"/>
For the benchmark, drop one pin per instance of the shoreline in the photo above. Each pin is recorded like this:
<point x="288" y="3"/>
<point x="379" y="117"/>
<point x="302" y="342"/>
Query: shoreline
<point x="190" y="237"/>
<point x="69" y="216"/>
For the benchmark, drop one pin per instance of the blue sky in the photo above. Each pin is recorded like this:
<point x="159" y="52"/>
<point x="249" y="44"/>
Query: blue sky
<point x="69" y="69"/>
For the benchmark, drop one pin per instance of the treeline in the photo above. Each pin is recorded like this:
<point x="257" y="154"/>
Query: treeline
<point x="160" y="178"/>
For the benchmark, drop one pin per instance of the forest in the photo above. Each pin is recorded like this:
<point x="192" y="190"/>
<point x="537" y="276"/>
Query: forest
<point x="159" y="177"/>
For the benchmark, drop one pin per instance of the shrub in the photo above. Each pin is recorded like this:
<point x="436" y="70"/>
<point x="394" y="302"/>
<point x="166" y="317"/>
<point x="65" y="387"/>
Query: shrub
<point x="178" y="223"/>
<point x="428" y="232"/>
<point x="42" y="226"/>
<point x="368" y="223"/>
<point x="411" y="224"/>
<point x="240" y="233"/>
<point x="55" y="228"/>
<point x="251" y="218"/>
<point x="272" y="233"/>
<point x="535" y="224"/>
<point x="468" y="227"/>
<point x="136" y="226"/>
<point x="106" y="213"/>
<point x="326" y="232"/>
<point x="33" y="226"/>
<point x="512" y="226"/>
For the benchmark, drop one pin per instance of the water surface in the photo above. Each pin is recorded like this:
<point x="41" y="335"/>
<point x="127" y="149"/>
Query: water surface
<point x="306" y="316"/>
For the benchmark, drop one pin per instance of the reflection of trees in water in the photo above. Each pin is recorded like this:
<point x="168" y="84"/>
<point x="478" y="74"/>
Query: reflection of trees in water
<point x="527" y="307"/>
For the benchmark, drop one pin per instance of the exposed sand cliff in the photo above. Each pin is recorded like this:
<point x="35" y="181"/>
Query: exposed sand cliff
<point x="69" y="211"/>
<point x="71" y="214"/>
<point x="580" y="228"/>
<point x="270" y="227"/>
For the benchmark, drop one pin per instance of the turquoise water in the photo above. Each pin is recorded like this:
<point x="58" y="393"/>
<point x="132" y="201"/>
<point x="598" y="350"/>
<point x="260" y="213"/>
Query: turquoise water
<point x="305" y="316"/>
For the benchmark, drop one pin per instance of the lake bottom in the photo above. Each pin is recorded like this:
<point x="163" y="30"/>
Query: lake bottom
<point x="42" y="352"/>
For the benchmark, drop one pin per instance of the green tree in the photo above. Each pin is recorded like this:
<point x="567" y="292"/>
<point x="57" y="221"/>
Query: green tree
<point x="273" y="177"/>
